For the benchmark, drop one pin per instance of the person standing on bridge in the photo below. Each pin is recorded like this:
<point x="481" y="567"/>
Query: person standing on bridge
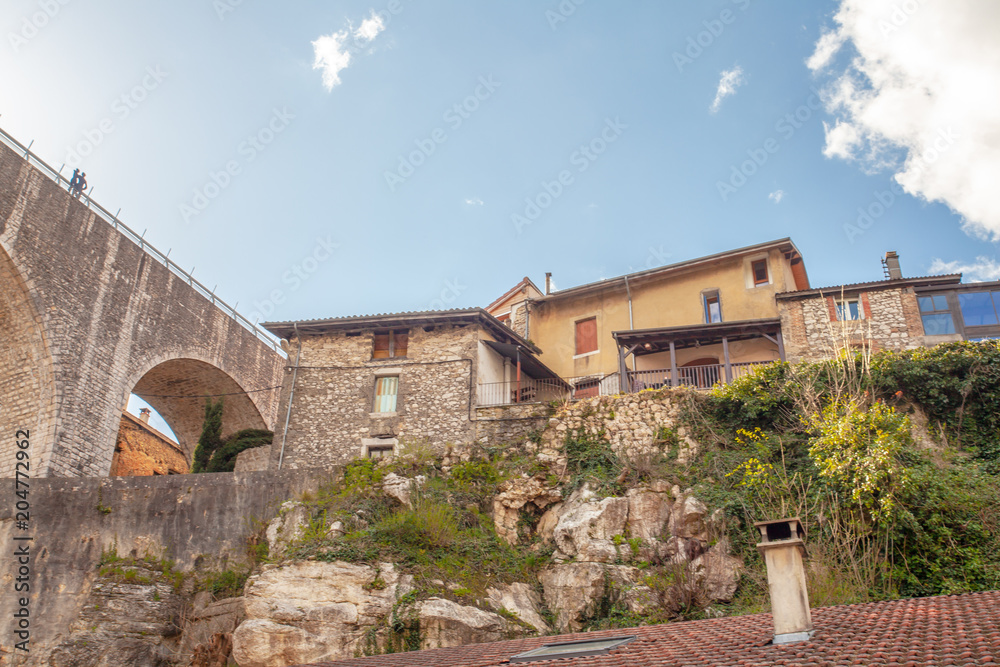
<point x="81" y="185"/>
<point x="72" y="181"/>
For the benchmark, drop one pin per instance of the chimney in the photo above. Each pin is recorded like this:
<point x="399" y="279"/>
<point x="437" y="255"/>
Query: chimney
<point x="144" y="415"/>
<point x="548" y="283"/>
<point x="891" y="264"/>
<point x="783" y="548"/>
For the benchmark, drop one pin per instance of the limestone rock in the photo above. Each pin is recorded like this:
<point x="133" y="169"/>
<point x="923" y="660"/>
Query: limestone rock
<point x="521" y="600"/>
<point x="717" y="573"/>
<point x="648" y="514"/>
<point x="401" y="488"/>
<point x="688" y="518"/>
<point x="307" y="611"/>
<point x="547" y="524"/>
<point x="586" y="529"/>
<point x="336" y="529"/>
<point x="515" y="494"/>
<point x="289" y="526"/>
<point x="444" y="623"/>
<point x="208" y="620"/>
<point x="572" y="591"/>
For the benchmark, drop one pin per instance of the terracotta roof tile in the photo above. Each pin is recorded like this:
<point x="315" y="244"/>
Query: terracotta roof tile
<point x="943" y="630"/>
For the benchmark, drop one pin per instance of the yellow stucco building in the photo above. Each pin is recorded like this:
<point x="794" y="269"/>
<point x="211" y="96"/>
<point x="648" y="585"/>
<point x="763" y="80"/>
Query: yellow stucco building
<point x="694" y="322"/>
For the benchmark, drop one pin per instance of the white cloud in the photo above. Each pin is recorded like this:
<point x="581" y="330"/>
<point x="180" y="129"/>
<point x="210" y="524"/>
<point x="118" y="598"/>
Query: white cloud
<point x="333" y="53"/>
<point x="731" y="79"/>
<point x="919" y="97"/>
<point x="983" y="268"/>
<point x="475" y="201"/>
<point x="777" y="196"/>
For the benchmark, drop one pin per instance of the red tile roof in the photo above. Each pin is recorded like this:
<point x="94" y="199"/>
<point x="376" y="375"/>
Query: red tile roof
<point x="944" y="630"/>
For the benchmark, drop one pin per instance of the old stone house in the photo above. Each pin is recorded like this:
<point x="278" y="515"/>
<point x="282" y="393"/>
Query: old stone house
<point x="371" y="386"/>
<point x="143" y="450"/>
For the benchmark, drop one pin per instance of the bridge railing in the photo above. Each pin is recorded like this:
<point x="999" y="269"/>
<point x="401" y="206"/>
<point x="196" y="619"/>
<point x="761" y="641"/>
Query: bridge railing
<point x="112" y="219"/>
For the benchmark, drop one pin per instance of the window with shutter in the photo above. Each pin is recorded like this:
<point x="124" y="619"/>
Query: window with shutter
<point x="386" y="390"/>
<point x="586" y="336"/>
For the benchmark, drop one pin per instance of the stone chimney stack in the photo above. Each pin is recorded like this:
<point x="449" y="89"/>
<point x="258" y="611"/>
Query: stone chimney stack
<point x="783" y="548"/>
<point x="144" y="415"/>
<point x="891" y="263"/>
<point x="548" y="283"/>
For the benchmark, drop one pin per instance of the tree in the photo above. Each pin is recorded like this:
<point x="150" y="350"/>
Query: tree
<point x="211" y="436"/>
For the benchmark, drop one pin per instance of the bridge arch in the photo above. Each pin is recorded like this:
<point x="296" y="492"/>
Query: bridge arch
<point x="27" y="390"/>
<point x="177" y="386"/>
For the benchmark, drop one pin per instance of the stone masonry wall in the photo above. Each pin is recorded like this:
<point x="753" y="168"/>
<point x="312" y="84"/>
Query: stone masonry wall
<point x="196" y="520"/>
<point x="510" y="424"/>
<point x="141" y="451"/>
<point x="333" y="406"/>
<point x="811" y="331"/>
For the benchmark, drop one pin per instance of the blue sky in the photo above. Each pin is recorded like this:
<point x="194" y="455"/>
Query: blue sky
<point x="306" y="223"/>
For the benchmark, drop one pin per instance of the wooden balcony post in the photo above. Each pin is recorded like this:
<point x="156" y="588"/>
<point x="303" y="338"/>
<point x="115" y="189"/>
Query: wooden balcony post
<point x="623" y="384"/>
<point x="725" y="353"/>
<point x="673" y="365"/>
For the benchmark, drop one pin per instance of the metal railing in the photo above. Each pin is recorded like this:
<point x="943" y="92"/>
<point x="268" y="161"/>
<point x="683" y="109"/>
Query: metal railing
<point x="144" y="245"/>
<point x="700" y="377"/>
<point x="525" y="391"/>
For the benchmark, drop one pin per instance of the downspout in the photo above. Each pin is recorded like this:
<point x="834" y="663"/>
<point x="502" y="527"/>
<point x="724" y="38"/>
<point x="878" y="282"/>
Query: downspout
<point x="291" y="395"/>
<point x="628" y="290"/>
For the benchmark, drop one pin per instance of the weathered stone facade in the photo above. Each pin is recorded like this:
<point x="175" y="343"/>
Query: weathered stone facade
<point x="332" y="416"/>
<point x="87" y="316"/>
<point x="502" y="424"/>
<point x="891" y="321"/>
<point x="142" y="450"/>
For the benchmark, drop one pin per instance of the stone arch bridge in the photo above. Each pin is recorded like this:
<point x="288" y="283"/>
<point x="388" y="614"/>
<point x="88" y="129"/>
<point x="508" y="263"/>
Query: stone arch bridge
<point x="89" y="313"/>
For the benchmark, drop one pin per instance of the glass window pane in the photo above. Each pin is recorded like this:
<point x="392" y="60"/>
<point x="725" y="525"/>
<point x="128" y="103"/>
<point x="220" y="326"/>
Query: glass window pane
<point x="937" y="325"/>
<point x="714" y="311"/>
<point x="848" y="310"/>
<point x="926" y="304"/>
<point x="977" y="309"/>
<point x="385" y="394"/>
<point x="940" y="302"/>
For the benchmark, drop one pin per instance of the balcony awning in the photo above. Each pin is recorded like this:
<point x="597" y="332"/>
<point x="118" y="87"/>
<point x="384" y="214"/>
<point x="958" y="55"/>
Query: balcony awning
<point x="651" y="341"/>
<point x="529" y="364"/>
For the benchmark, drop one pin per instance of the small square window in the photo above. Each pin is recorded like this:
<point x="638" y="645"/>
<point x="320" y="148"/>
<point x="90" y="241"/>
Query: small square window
<point x="386" y="390"/>
<point x="760" y="275"/>
<point x="390" y="344"/>
<point x="380" y="451"/>
<point x="713" y="308"/>
<point x="849" y="309"/>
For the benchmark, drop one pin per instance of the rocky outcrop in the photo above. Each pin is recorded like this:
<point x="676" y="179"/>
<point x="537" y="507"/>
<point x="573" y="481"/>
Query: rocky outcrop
<point x="445" y="623"/>
<point x="307" y="611"/>
<point x="208" y="628"/>
<point x="401" y="488"/>
<point x="129" y="618"/>
<point x="534" y="493"/>
<point x="287" y="527"/>
<point x="521" y="600"/>
<point x="587" y="527"/>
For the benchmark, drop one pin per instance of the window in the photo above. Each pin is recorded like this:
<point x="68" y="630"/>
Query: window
<point x="572" y="649"/>
<point x="979" y="308"/>
<point x="713" y="308"/>
<point x="759" y="270"/>
<point x="390" y="344"/>
<point x="936" y="315"/>
<point x="386" y="389"/>
<point x="849" y="309"/>
<point x="586" y="336"/>
<point x="379" y="451"/>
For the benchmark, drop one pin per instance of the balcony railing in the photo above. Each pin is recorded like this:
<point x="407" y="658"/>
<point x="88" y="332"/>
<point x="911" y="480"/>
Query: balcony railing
<point x="525" y="391"/>
<point x="700" y="377"/>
